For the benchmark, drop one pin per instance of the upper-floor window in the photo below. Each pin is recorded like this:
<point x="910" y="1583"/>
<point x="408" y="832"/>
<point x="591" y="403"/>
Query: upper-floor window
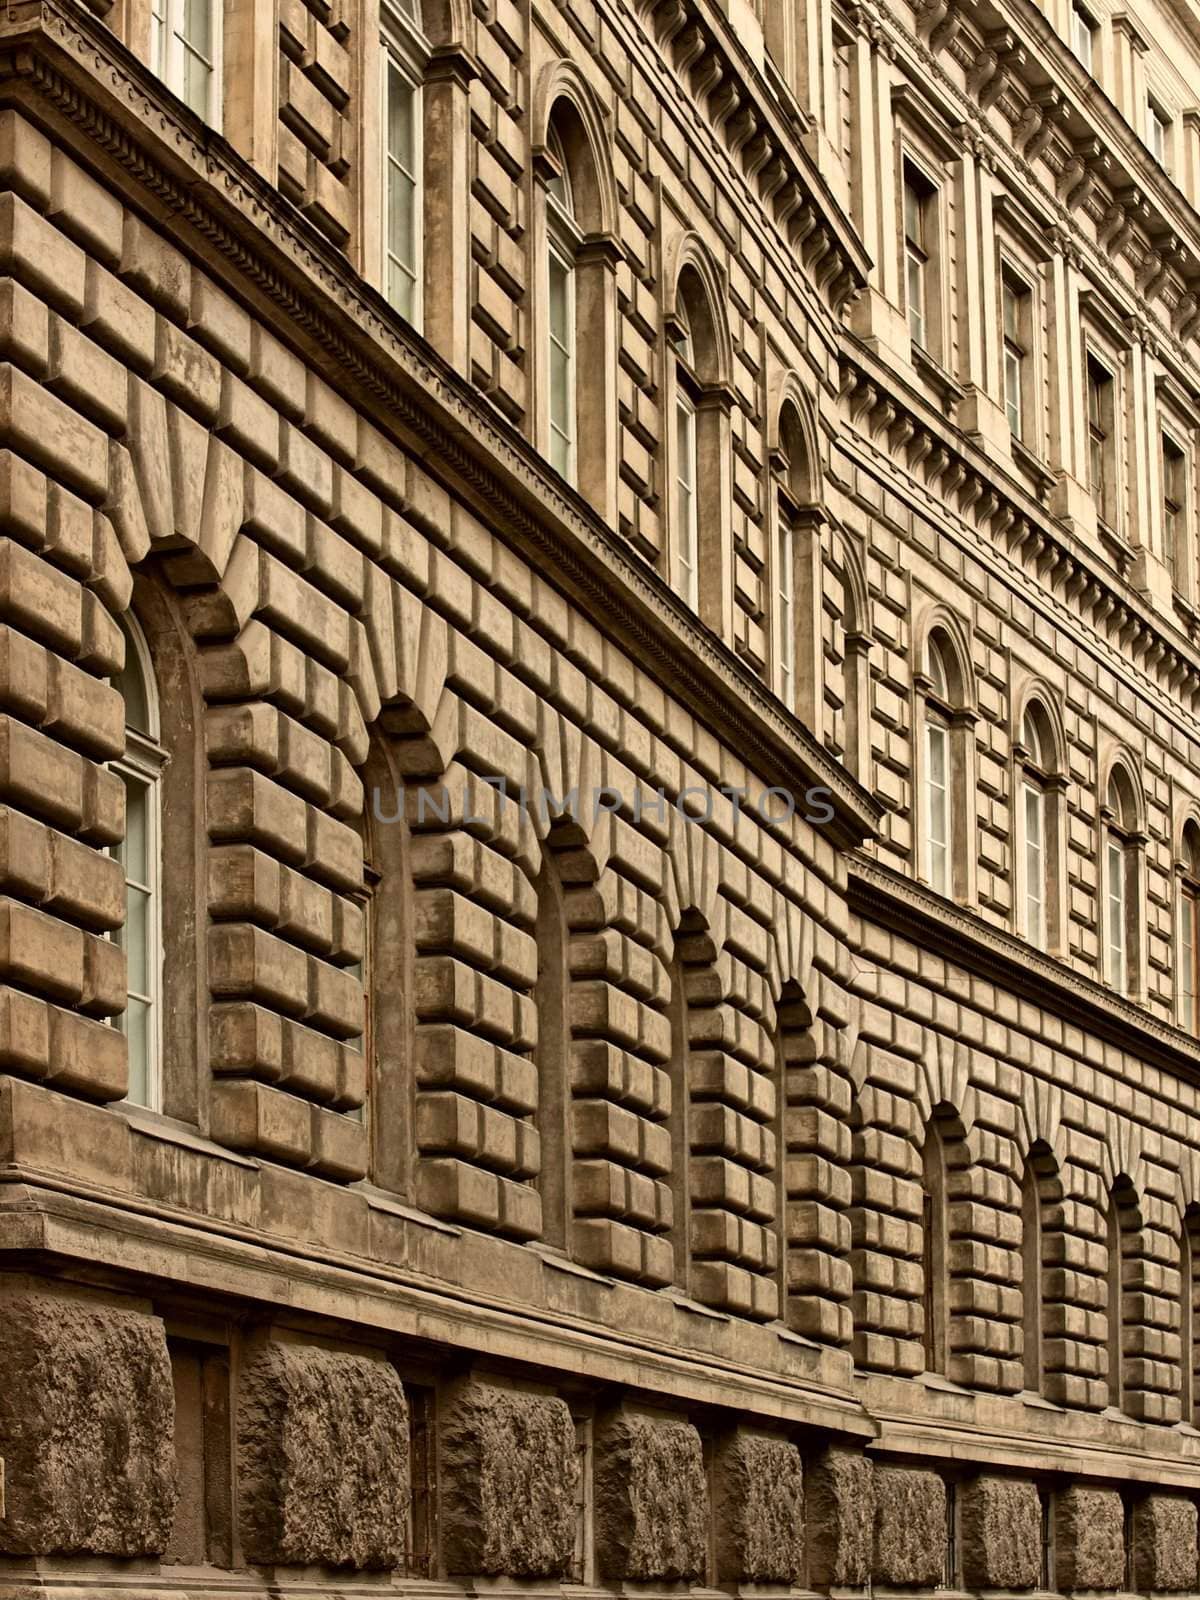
<point x="1158" y="132"/>
<point x="1017" y="317"/>
<point x="938" y="770"/>
<point x="1033" y="813"/>
<point x="920" y="228"/>
<point x="687" y="511"/>
<point x="562" y="240"/>
<point x="403" y="55"/>
<point x="1119" y="882"/>
<point x="1101" y="441"/>
<point x="1083" y="35"/>
<point x="1187" y="981"/>
<point x="140" y="855"/>
<point x="1174" y="510"/>
<point x="185" y="47"/>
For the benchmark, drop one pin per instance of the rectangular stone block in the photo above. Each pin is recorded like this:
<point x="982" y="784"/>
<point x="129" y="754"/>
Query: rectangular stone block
<point x="1089" y="1527"/>
<point x="1001" y="1533"/>
<point x="758" y="1509"/>
<point x="651" y="1500"/>
<point x="910" y="1527"/>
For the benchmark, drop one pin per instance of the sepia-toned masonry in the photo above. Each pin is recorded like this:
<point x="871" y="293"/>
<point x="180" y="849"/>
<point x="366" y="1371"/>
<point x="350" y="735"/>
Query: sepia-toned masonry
<point x="600" y="759"/>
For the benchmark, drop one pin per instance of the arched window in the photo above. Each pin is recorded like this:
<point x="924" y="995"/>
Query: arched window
<point x="1040" y="1187"/>
<point x="1189" y="1288"/>
<point x="404" y="57"/>
<point x="576" y="290"/>
<point x="552" y="1054"/>
<point x="699" y="565"/>
<point x="1123" y="1226"/>
<point x="935" y="1250"/>
<point x="938" y="770"/>
<point x="1039" y="824"/>
<point x="1119" y="880"/>
<point x="794" y="564"/>
<point x="140" y="855"/>
<point x="1187" y="980"/>
<point x="562" y="241"/>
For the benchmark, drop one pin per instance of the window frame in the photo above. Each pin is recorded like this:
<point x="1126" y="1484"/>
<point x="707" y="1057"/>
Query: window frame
<point x="142" y="764"/>
<point x="1084" y="28"/>
<point x="1187" y="1000"/>
<point x="1017" y="346"/>
<point x="686" y="574"/>
<point x="1175" y="458"/>
<point x="920" y="253"/>
<point x="403" y="49"/>
<point x="1158" y="132"/>
<point x="1101" y="410"/>
<point x="170" y="48"/>
<point x="563" y="239"/>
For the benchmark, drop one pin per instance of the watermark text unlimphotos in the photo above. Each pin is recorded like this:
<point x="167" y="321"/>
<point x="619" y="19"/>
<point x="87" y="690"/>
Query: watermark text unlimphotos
<point x="426" y="805"/>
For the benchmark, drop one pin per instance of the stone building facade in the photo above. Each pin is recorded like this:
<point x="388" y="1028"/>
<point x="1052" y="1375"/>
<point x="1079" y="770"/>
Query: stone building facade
<point x="600" y="835"/>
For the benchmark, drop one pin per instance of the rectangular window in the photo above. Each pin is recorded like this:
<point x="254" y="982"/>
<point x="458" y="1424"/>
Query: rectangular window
<point x="686" y="573"/>
<point x="139" y="938"/>
<point x="1016" y="315"/>
<point x="422" y="1530"/>
<point x="185" y="45"/>
<point x="401" y="185"/>
<point x="1189" y="953"/>
<point x="581" y="1560"/>
<point x="1157" y="130"/>
<point x="202" y="1532"/>
<point x="1083" y="36"/>
<point x="1046" y="1497"/>
<point x="786" y="609"/>
<point x="1100" y="424"/>
<point x="920" y="204"/>
<point x="950" y="1565"/>
<point x="1117" y="960"/>
<point x="1174" y="480"/>
<point x="937" y="803"/>
<point x="562" y="364"/>
<point x="1035" y="865"/>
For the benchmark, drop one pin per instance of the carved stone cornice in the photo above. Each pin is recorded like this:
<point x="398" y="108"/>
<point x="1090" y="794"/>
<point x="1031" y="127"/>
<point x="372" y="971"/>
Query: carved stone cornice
<point x="695" y="36"/>
<point x="68" y="69"/>
<point x="887" y="899"/>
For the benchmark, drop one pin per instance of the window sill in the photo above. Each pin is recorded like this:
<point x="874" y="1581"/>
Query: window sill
<point x="934" y="374"/>
<point x="1034" y="468"/>
<point x="157" y="1125"/>
<point x="1119" y="552"/>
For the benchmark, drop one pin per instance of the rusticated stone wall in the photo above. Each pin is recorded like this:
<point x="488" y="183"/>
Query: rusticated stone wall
<point x="1090" y="1544"/>
<point x="323" y="1458"/>
<point x="652" y="1514"/>
<point x="758" y="1509"/>
<point x="511" y="1470"/>
<point x="910" y="1527"/>
<point x="1164" y="1543"/>
<point x="840" y="1495"/>
<point x="1001" y="1534"/>
<point x="86" y="1414"/>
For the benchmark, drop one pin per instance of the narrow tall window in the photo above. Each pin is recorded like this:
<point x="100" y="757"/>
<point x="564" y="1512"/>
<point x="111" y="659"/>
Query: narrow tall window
<point x="920" y="204"/>
<point x="185" y="47"/>
<point x="1083" y="35"/>
<point x="1187" y="978"/>
<point x="1031" y="1278"/>
<point x="937" y="773"/>
<point x="1187" y="1320"/>
<point x="1100" y="425"/>
<point x="785" y="607"/>
<point x="562" y="239"/>
<point x="1015" y="306"/>
<point x="139" y="853"/>
<point x="1035" y="859"/>
<point x="934" y="1249"/>
<point x="1119" y="882"/>
<point x="1046" y="1497"/>
<point x="1158" y="126"/>
<point x="1174" y="515"/>
<point x="1124" y="1224"/>
<point x="687" y="532"/>
<point x="403" y="52"/>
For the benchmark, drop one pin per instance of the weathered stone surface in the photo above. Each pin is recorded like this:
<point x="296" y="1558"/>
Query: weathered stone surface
<point x="910" y="1526"/>
<point x="323" y="1458"/>
<point x="840" y="1492"/>
<point x="758" y="1510"/>
<point x="1089" y="1539"/>
<point x="509" y="1470"/>
<point x="1001" y="1534"/>
<point x="1164" y="1543"/>
<point x="651" y="1500"/>
<point x="86" y="1429"/>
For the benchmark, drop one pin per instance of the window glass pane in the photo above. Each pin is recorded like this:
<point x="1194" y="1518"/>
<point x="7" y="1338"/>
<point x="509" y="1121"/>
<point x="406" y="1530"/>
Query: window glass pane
<point x="136" y="1024"/>
<point x="786" y="610"/>
<point x="1035" y="867"/>
<point x="685" y="451"/>
<point x="198" y="25"/>
<point x="1187" y="960"/>
<point x="401" y="189"/>
<point x="1116" y="913"/>
<point x="937" y="805"/>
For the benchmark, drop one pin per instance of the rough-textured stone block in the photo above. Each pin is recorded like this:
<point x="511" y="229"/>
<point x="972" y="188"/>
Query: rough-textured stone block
<point x="1001" y="1534"/>
<point x="86" y="1429"/>
<point x="509" y="1472"/>
<point x="1164" y="1544"/>
<point x="910" y="1527"/>
<point x="1089" y="1539"/>
<point x="759" y="1510"/>
<point x="840" y="1495"/>
<point x="651" y="1500"/>
<point x="323" y="1458"/>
